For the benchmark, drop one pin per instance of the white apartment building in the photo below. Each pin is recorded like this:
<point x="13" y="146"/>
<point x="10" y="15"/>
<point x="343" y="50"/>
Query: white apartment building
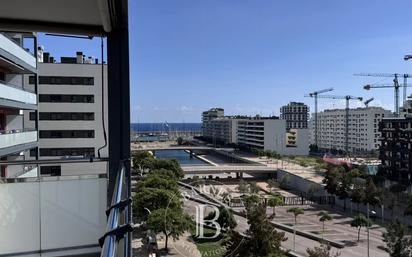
<point x="363" y="133"/>
<point x="16" y="137"/>
<point x="267" y="133"/>
<point x="271" y="134"/>
<point x="70" y="112"/>
<point x="221" y="130"/>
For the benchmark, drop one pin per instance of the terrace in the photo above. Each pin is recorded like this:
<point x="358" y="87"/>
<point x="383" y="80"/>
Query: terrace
<point x="88" y="206"/>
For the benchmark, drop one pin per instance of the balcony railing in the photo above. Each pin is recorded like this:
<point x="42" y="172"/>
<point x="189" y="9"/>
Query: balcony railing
<point x="58" y="215"/>
<point x="9" y="138"/>
<point x="14" y="49"/>
<point x="18" y="95"/>
<point x="117" y="239"/>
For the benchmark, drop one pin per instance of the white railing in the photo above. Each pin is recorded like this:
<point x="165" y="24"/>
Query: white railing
<point x="11" y="138"/>
<point x="15" y="94"/>
<point x="11" y="47"/>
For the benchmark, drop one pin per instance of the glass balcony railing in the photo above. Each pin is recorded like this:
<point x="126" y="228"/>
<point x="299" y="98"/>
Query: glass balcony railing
<point x="16" y="94"/>
<point x="57" y="215"/>
<point x="9" y="138"/>
<point x="17" y="51"/>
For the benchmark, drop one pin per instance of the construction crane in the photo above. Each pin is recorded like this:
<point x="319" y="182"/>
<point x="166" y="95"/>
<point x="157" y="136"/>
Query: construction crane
<point x="315" y="95"/>
<point x="395" y="85"/>
<point x="366" y="103"/>
<point x="347" y="98"/>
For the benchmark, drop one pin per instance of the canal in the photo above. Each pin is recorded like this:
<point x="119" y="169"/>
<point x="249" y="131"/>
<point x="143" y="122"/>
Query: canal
<point x="181" y="156"/>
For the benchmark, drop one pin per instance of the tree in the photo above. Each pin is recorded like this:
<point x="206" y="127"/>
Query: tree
<point x="322" y="251"/>
<point x="324" y="216"/>
<point x="243" y="187"/>
<point x="344" y="185"/>
<point x="163" y="173"/>
<point x="179" y="141"/>
<point x="151" y="199"/>
<point x="331" y="181"/>
<point x="398" y="244"/>
<point x="253" y="188"/>
<point x="172" y="222"/>
<point x="313" y="148"/>
<point x="261" y="239"/>
<point x="272" y="183"/>
<point x="296" y="211"/>
<point x="358" y="194"/>
<point x="371" y="193"/>
<point x="251" y="200"/>
<point x="159" y="182"/>
<point x="171" y="164"/>
<point x="226" y="219"/>
<point x="275" y="200"/>
<point x="143" y="160"/>
<point x="360" y="221"/>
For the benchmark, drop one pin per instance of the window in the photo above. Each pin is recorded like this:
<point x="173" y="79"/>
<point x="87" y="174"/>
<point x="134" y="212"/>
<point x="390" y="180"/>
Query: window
<point x="66" y="116"/>
<point x="51" y="170"/>
<point x="66" y="133"/>
<point x="33" y="152"/>
<point x="66" y="98"/>
<point x="32" y="116"/>
<point x="60" y="80"/>
<point x="86" y="151"/>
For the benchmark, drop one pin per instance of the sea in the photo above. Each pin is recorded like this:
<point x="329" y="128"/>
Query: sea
<point x="164" y="127"/>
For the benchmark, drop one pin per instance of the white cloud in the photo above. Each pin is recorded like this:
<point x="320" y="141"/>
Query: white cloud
<point x="184" y="108"/>
<point x="136" y="108"/>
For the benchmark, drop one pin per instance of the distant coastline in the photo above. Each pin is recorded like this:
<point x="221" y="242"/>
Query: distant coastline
<point x="164" y="127"/>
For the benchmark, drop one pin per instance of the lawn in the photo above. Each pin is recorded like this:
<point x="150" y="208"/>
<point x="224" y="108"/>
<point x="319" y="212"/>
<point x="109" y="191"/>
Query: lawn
<point x="210" y="247"/>
<point x="307" y="161"/>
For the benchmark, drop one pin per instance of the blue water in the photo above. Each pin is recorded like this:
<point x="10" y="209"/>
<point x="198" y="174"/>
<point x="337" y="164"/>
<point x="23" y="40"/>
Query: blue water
<point x="164" y="127"/>
<point x="181" y="156"/>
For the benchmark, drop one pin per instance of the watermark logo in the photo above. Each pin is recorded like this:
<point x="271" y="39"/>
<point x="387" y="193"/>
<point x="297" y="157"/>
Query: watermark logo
<point x="204" y="201"/>
<point x="200" y="221"/>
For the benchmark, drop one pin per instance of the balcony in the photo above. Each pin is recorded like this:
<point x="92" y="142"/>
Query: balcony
<point x="53" y="214"/>
<point x="16" y="58"/>
<point x="17" y="98"/>
<point x="12" y="141"/>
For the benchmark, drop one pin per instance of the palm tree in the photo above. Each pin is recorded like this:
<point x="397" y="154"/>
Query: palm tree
<point x="360" y="221"/>
<point x="296" y="212"/>
<point x="324" y="216"/>
<point x="275" y="200"/>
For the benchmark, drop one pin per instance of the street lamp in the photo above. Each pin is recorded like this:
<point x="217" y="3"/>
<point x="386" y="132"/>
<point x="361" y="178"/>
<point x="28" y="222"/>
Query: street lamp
<point x="367" y="226"/>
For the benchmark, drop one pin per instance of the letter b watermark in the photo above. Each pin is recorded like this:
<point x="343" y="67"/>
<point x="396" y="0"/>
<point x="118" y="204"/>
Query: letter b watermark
<point x="200" y="221"/>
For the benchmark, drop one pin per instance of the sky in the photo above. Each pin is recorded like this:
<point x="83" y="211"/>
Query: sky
<point x="253" y="56"/>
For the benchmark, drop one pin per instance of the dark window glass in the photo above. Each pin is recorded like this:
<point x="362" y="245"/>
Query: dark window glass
<point x="2" y="76"/>
<point x="66" y="133"/>
<point x="50" y="170"/>
<point x="32" y="116"/>
<point x="66" y="116"/>
<point x="66" y="98"/>
<point x="87" y="151"/>
<point x="33" y="152"/>
<point x="63" y="80"/>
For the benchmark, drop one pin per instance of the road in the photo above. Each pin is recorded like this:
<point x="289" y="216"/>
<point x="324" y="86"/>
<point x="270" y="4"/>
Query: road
<point x="338" y="230"/>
